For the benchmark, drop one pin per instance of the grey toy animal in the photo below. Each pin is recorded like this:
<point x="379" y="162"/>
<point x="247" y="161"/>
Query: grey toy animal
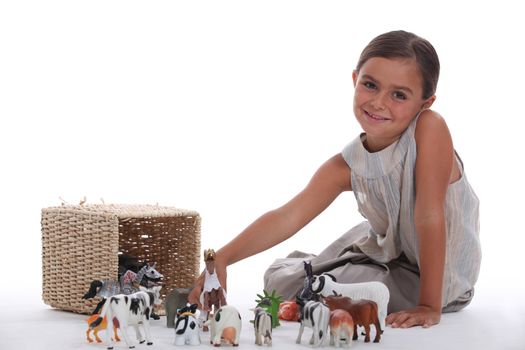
<point x="177" y="299"/>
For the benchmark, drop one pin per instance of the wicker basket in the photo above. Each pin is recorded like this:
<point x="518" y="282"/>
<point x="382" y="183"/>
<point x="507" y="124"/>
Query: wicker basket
<point x="81" y="243"/>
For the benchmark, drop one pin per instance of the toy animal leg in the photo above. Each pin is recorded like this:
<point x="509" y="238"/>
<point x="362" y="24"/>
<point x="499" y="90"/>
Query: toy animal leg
<point x="354" y="337"/>
<point x="268" y="340"/>
<point x="206" y="306"/>
<point x="180" y="339"/>
<point x="87" y="335"/>
<point x="147" y="332"/>
<point x="95" y="333"/>
<point x="349" y="334"/>
<point x="195" y="339"/>
<point x="312" y="338"/>
<point x="221" y="297"/>
<point x="216" y="340"/>
<point x="258" y="338"/>
<point x="109" y="340"/>
<point x="301" y="329"/>
<point x="138" y="334"/>
<point x="115" y="333"/>
<point x="125" y="336"/>
<point x="367" y="333"/>
<point x="378" y="333"/>
<point x="237" y="337"/>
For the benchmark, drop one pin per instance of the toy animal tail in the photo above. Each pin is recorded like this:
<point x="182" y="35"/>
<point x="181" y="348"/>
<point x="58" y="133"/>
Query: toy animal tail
<point x="92" y="292"/>
<point x="376" y="310"/>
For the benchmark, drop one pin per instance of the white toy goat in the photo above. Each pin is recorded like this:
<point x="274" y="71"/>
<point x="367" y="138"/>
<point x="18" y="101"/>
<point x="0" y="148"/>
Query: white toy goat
<point x="263" y="327"/>
<point x="326" y="284"/>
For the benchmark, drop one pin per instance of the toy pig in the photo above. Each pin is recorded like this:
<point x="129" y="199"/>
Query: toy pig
<point x="225" y="325"/>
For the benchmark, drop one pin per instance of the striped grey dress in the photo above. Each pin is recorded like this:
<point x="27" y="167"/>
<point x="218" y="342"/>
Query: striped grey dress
<point x="384" y="247"/>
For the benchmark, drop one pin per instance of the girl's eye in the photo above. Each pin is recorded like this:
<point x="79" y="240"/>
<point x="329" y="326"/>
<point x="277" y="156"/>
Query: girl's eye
<point x="400" y="96"/>
<point x="369" y="85"/>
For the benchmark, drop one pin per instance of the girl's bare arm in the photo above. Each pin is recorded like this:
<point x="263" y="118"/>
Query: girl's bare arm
<point x="274" y="227"/>
<point x="435" y="156"/>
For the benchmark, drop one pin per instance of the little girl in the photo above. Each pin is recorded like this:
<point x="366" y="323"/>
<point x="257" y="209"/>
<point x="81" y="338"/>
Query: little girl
<point x="420" y="236"/>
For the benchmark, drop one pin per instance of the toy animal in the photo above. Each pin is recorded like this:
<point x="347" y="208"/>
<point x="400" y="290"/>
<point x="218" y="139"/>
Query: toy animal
<point x="341" y="327"/>
<point x="186" y="328"/>
<point x="326" y="285"/>
<point x="133" y="309"/>
<point x="175" y="300"/>
<point x="364" y="313"/>
<point x="213" y="295"/>
<point x="101" y="326"/>
<point x="314" y="315"/>
<point x="263" y="327"/>
<point x="289" y="311"/>
<point x="270" y="303"/>
<point x="306" y="293"/>
<point x="225" y="325"/>
<point x="131" y="276"/>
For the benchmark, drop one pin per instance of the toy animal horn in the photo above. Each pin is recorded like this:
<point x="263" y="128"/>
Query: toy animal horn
<point x="331" y="276"/>
<point x="321" y="284"/>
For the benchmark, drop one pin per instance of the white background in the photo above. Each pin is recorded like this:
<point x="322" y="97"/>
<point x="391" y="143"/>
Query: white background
<point x="228" y="107"/>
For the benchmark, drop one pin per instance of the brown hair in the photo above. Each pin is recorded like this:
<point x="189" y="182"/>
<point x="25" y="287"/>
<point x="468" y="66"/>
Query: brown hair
<point x="401" y="44"/>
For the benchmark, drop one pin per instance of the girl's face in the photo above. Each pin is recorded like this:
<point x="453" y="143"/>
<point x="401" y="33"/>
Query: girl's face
<point x="388" y="96"/>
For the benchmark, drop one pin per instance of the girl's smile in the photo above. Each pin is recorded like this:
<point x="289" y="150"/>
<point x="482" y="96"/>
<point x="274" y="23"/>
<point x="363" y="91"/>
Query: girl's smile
<point x="375" y="118"/>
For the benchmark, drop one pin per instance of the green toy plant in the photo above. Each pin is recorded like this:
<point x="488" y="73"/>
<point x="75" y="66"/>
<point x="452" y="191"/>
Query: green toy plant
<point x="270" y="303"/>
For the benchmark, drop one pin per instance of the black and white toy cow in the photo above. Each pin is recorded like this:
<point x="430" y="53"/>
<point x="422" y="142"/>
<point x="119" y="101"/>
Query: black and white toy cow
<point x="315" y="315"/>
<point x="130" y="310"/>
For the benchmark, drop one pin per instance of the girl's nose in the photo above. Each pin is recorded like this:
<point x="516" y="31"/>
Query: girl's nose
<point x="378" y="101"/>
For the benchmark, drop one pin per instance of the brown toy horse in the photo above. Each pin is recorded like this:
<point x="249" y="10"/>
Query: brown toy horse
<point x="101" y="326"/>
<point x="364" y="313"/>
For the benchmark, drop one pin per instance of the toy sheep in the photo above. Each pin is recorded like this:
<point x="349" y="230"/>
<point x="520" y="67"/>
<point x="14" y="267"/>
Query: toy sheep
<point x="326" y="285"/>
<point x="314" y="315"/>
<point x="263" y="327"/>
<point x="186" y="328"/>
<point x="225" y="325"/>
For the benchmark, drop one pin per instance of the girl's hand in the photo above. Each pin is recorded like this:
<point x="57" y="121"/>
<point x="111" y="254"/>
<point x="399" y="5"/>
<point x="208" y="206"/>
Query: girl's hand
<point x="195" y="294"/>
<point x="423" y="316"/>
<point x="220" y="269"/>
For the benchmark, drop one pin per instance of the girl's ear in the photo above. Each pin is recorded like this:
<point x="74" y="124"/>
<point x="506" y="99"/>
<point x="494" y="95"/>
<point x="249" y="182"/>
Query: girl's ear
<point x="354" y="77"/>
<point x="429" y="102"/>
